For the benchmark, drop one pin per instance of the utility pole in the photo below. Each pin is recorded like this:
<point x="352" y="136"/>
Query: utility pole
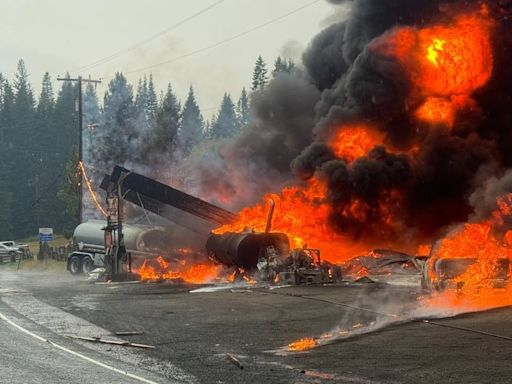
<point x="79" y="80"/>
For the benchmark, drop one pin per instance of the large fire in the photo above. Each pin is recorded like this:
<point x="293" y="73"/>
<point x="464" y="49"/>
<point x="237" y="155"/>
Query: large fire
<point x="194" y="274"/>
<point x="352" y="142"/>
<point x="485" y="283"/>
<point x="445" y="64"/>
<point x="303" y="214"/>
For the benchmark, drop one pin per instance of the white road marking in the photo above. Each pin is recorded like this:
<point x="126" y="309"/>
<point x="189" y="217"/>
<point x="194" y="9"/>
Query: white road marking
<point x="65" y="324"/>
<point x="71" y="352"/>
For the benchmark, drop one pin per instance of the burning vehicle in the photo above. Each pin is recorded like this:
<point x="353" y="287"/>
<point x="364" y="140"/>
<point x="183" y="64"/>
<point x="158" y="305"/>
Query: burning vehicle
<point x="266" y="253"/>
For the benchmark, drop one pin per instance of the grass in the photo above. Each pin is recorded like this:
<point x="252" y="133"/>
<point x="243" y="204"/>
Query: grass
<point x="33" y="243"/>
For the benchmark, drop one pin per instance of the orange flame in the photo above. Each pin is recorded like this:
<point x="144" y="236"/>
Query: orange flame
<point x="303" y="212"/>
<point x="194" y="274"/>
<point x="91" y="190"/>
<point x="302" y="345"/>
<point x="434" y="49"/>
<point x="353" y="142"/>
<point x="444" y="62"/>
<point x="485" y="283"/>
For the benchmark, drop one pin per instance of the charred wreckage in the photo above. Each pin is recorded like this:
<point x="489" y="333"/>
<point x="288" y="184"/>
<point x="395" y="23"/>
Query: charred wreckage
<point x="112" y="243"/>
<point x="267" y="255"/>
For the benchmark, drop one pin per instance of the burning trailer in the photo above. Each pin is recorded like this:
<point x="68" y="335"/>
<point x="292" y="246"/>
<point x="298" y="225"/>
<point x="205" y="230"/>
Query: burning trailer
<point x="111" y="244"/>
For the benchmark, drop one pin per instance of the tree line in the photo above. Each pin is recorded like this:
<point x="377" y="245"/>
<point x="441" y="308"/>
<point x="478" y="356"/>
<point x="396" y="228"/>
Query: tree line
<point x="134" y="126"/>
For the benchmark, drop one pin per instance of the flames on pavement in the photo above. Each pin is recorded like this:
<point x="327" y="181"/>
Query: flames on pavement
<point x="197" y="273"/>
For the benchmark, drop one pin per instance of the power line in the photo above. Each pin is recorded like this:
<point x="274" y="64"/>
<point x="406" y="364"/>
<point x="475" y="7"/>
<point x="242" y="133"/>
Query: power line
<point x="234" y="37"/>
<point x="147" y="40"/>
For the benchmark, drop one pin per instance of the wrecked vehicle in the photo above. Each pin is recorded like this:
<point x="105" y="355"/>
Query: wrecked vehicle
<point x="9" y="254"/>
<point x="305" y="266"/>
<point x="23" y="248"/>
<point x="442" y="273"/>
<point x="268" y="255"/>
<point x="384" y="261"/>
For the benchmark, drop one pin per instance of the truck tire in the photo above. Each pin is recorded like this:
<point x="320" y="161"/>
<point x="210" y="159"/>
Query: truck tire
<point x="75" y="265"/>
<point x="87" y="264"/>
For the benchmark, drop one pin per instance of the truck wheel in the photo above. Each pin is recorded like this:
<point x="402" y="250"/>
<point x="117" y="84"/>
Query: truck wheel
<point x="13" y="256"/>
<point x="75" y="265"/>
<point x="87" y="264"/>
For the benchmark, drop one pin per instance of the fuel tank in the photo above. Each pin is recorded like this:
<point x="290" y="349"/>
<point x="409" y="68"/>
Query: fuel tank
<point x="244" y="249"/>
<point x="137" y="238"/>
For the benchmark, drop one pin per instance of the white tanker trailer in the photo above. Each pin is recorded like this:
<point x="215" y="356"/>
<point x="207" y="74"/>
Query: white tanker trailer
<point x="89" y="244"/>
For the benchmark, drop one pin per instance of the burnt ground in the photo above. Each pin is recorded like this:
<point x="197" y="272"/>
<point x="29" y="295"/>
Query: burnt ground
<point x="192" y="333"/>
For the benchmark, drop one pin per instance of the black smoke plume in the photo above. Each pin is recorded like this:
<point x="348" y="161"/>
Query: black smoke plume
<point x="346" y="82"/>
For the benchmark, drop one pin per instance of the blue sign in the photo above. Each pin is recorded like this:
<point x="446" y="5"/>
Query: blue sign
<point x="45" y="234"/>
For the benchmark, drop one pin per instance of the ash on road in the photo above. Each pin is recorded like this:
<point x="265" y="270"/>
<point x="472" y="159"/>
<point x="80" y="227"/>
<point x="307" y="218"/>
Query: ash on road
<point x="193" y="333"/>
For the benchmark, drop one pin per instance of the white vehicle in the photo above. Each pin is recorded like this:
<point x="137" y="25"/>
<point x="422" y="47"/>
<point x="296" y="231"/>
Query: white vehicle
<point x="23" y="248"/>
<point x="9" y="254"/>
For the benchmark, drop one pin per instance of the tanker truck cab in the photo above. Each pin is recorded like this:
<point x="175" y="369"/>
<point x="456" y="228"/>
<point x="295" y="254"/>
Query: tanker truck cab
<point x="84" y="262"/>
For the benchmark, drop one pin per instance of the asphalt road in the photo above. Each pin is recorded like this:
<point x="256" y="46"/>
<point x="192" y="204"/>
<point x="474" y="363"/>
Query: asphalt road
<point x="193" y="332"/>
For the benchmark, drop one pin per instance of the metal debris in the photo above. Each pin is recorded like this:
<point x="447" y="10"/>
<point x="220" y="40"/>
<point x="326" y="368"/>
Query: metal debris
<point x="233" y="359"/>
<point x="129" y="333"/>
<point x="123" y="343"/>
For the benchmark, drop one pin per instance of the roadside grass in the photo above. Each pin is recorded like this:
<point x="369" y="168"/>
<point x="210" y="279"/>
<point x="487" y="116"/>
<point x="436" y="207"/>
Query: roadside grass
<point x="33" y="243"/>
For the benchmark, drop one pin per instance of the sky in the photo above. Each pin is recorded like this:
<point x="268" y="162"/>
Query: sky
<point x="64" y="36"/>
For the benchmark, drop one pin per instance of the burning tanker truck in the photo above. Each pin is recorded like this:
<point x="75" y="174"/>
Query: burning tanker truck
<point x="266" y="253"/>
<point x="270" y="253"/>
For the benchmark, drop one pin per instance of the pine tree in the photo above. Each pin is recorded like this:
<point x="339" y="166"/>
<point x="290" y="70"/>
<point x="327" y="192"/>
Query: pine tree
<point x="44" y="167"/>
<point x="162" y="139"/>
<point x="242" y="109"/>
<point x="282" y="65"/>
<point x="279" y="66"/>
<point x="192" y="124"/>
<point x="152" y="101"/>
<point x="259" y="76"/>
<point x="141" y="98"/>
<point x="69" y="191"/>
<point x="6" y="157"/>
<point x="118" y="138"/>
<point x="25" y="141"/>
<point x="226" y="123"/>
<point x="46" y="99"/>
<point x="91" y="109"/>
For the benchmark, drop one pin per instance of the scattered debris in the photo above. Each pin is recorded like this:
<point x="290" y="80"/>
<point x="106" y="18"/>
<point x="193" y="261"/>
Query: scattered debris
<point x="96" y="274"/>
<point x="383" y="262"/>
<point x="129" y="333"/>
<point x="123" y="343"/>
<point x="233" y="359"/>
